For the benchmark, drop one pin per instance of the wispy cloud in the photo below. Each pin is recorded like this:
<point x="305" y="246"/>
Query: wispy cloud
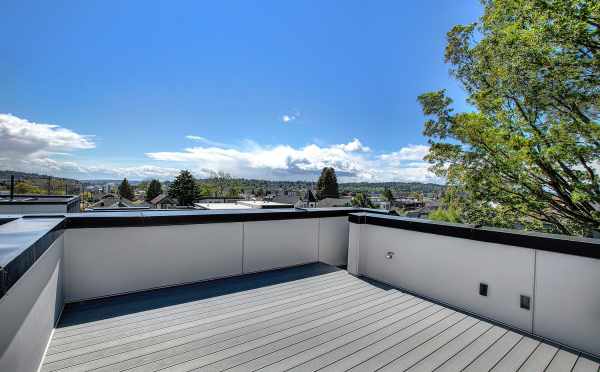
<point x="206" y="141"/>
<point x="288" y="118"/>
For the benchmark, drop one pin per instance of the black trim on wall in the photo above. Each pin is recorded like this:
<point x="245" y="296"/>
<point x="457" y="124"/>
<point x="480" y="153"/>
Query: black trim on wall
<point x="164" y="218"/>
<point x="572" y="245"/>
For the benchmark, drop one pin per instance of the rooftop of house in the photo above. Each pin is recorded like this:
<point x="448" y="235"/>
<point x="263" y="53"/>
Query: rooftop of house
<point x="243" y="204"/>
<point x="38" y="199"/>
<point x="162" y="198"/>
<point x="217" y="206"/>
<point x="292" y="289"/>
<point x="309" y="197"/>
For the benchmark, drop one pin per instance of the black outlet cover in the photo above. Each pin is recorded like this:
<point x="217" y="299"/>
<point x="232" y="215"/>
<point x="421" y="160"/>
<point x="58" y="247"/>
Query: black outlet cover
<point x="483" y="289"/>
<point x="525" y="302"/>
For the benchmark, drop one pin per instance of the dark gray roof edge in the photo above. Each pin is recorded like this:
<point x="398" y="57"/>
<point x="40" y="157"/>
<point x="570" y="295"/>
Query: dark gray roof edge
<point x="68" y="199"/>
<point x="572" y="245"/>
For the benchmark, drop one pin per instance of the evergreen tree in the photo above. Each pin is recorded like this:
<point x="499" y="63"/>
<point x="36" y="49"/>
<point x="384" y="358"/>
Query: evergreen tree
<point x="327" y="186"/>
<point x="154" y="190"/>
<point x="125" y="190"/>
<point x="387" y="195"/>
<point x="184" y="188"/>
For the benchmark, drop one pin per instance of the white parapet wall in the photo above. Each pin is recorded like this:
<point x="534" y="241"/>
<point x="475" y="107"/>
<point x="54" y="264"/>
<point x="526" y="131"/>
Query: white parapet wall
<point x="276" y="244"/>
<point x="333" y="240"/>
<point x="116" y="260"/>
<point x="567" y="300"/>
<point x="29" y="311"/>
<point x="450" y="269"/>
<point x="107" y="261"/>
<point x="563" y="288"/>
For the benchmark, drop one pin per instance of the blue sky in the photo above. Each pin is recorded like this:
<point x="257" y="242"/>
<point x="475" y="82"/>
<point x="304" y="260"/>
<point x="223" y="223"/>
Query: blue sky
<point x="269" y="89"/>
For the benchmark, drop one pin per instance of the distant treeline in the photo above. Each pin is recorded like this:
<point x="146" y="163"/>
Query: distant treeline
<point x="32" y="183"/>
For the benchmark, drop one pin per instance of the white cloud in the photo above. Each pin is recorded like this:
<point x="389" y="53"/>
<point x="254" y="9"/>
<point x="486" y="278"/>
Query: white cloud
<point x="354" y="146"/>
<point x="22" y="137"/>
<point x="30" y="147"/>
<point x="411" y="152"/>
<point x="51" y="149"/>
<point x="352" y="161"/>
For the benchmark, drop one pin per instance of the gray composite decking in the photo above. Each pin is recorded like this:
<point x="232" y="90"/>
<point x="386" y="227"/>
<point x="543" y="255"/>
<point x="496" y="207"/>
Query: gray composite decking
<point x="308" y="318"/>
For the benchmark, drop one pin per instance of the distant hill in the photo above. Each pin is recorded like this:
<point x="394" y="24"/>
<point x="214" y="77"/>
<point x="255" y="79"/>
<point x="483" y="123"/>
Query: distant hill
<point x="32" y="183"/>
<point x="5" y="175"/>
<point x="396" y="187"/>
<point x="41" y="181"/>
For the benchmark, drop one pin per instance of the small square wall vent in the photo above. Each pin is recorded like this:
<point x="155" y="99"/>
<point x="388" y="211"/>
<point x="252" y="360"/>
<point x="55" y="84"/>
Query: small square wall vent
<point x="483" y="289"/>
<point x="525" y="302"/>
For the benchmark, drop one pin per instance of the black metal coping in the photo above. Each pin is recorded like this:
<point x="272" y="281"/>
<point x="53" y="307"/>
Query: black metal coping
<point x="184" y="217"/>
<point x="572" y="245"/>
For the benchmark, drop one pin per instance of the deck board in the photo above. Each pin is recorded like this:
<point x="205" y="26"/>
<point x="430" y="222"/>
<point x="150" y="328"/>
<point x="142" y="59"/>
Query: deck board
<point x="306" y="318"/>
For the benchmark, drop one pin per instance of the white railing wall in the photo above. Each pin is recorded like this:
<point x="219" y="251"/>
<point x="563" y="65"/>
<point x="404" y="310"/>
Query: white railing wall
<point x="30" y="310"/>
<point x="563" y="288"/>
<point x="108" y="261"/>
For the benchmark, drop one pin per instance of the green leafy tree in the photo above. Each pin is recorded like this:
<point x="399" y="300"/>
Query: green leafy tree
<point x="361" y="200"/>
<point x="528" y="154"/>
<point x="220" y="181"/>
<point x="125" y="190"/>
<point x="234" y="190"/>
<point x="448" y="214"/>
<point x="259" y="193"/>
<point x="26" y="188"/>
<point x="327" y="185"/>
<point x="388" y="195"/>
<point x="154" y="189"/>
<point x="206" y="189"/>
<point x="184" y="189"/>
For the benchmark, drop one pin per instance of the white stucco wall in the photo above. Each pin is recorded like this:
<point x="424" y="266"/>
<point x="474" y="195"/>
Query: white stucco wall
<point x="354" y="249"/>
<point x="450" y="269"/>
<point x="108" y="261"/>
<point x="333" y="240"/>
<point x="567" y="300"/>
<point x="29" y="311"/>
<point x="276" y="244"/>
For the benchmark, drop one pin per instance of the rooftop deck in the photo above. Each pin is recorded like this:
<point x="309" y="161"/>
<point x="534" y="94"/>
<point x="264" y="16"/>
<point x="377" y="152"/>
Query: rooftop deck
<point x="311" y="317"/>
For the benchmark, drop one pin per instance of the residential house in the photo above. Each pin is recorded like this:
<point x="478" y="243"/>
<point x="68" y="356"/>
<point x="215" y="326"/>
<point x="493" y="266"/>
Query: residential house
<point x="163" y="201"/>
<point x="308" y="201"/>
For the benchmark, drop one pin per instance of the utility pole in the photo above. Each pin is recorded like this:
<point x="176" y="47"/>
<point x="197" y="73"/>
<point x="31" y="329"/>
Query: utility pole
<point x="49" y="182"/>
